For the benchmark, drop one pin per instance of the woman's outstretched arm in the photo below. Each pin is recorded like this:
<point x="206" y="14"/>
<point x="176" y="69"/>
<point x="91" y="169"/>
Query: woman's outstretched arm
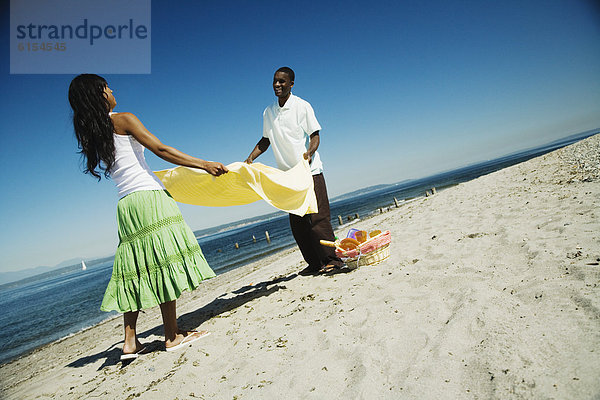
<point x="129" y="124"/>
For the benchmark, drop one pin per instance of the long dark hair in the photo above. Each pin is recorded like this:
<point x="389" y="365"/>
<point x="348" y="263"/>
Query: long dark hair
<point x="92" y="123"/>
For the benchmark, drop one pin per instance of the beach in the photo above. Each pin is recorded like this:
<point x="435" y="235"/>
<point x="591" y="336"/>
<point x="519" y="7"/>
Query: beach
<point x="492" y="290"/>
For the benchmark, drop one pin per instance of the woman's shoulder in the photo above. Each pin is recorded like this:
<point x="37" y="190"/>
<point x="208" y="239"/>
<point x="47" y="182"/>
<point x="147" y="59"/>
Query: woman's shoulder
<point x="123" y="122"/>
<point x="122" y="116"/>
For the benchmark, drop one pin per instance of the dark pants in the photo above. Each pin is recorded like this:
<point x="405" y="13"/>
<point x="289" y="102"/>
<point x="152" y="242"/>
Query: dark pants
<point x="311" y="228"/>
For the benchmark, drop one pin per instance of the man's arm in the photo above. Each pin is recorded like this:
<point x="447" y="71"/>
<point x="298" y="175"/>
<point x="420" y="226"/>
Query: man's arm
<point x="313" y="145"/>
<point x="262" y="146"/>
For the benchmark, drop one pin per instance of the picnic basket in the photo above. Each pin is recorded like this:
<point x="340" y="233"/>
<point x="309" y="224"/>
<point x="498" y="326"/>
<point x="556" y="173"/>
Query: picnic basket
<point x="370" y="252"/>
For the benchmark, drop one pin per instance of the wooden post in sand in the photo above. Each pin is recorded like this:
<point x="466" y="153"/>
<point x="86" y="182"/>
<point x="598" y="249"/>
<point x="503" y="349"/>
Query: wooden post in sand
<point x="267" y="236"/>
<point x="340" y="220"/>
<point x="396" y="202"/>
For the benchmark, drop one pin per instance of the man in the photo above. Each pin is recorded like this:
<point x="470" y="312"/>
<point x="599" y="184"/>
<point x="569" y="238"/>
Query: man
<point x="290" y="125"/>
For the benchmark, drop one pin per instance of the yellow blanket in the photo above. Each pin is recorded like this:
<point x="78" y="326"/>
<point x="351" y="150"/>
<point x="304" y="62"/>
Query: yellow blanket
<point x="291" y="191"/>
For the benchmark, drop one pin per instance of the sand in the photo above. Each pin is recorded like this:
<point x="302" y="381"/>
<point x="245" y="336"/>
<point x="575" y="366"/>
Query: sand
<point x="492" y="291"/>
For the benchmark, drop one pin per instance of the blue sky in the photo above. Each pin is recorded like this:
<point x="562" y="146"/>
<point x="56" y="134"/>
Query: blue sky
<point x="402" y="90"/>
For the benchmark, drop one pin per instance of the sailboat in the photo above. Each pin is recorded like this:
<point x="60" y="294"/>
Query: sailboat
<point x="83" y="266"/>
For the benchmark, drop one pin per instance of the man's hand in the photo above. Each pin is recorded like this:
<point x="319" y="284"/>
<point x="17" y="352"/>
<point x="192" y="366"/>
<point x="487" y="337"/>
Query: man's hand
<point x="313" y="145"/>
<point x="261" y="147"/>
<point x="215" y="168"/>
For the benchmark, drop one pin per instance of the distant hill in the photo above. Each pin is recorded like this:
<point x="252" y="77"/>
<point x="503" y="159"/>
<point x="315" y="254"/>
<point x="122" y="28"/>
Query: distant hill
<point x="357" y="192"/>
<point x="366" y="190"/>
<point x="36" y="273"/>
<point x="237" y="224"/>
<point x="72" y="261"/>
<point x="11" y="276"/>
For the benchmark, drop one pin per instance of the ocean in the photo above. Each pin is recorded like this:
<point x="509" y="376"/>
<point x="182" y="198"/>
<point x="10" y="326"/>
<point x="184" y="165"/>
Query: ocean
<point x="40" y="310"/>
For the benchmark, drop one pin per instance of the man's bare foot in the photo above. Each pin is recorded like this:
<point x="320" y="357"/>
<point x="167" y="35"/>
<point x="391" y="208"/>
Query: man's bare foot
<point x="328" y="268"/>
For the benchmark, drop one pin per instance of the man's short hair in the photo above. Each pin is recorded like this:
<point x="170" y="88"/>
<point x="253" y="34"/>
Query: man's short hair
<point x="288" y="71"/>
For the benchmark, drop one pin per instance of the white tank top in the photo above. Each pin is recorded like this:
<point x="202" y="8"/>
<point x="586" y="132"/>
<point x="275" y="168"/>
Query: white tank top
<point x="130" y="171"/>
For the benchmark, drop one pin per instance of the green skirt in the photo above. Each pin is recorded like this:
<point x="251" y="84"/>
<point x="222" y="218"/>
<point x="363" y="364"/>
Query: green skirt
<point x="158" y="256"/>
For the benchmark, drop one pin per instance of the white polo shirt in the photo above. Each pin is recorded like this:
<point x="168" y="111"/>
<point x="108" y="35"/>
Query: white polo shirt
<point x="288" y="128"/>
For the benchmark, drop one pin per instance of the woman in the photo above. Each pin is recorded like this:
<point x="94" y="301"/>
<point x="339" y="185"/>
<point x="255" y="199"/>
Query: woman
<point x="158" y="256"/>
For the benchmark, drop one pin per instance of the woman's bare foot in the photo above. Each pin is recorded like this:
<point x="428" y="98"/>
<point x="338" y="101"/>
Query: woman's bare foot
<point x="131" y="348"/>
<point x="131" y="352"/>
<point x="183" y="338"/>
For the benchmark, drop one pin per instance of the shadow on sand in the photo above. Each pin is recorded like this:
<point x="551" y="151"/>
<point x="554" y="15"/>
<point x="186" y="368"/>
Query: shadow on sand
<point x="191" y="320"/>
